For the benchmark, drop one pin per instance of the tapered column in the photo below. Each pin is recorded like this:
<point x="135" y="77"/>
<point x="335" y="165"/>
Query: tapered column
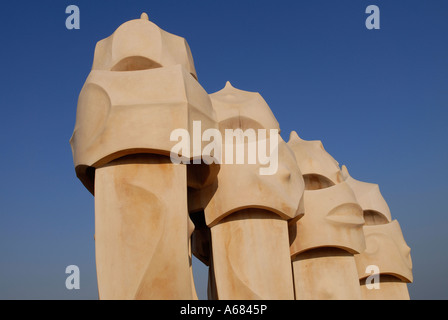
<point x="326" y="274"/>
<point x="251" y="256"/>
<point x="142" y="229"/>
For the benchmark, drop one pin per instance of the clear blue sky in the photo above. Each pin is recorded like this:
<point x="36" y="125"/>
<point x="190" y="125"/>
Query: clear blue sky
<point x="378" y="100"/>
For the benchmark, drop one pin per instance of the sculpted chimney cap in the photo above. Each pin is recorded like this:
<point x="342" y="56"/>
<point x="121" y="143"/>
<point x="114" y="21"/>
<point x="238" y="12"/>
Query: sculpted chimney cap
<point x="332" y="218"/>
<point x="313" y="159"/>
<point x="387" y="249"/>
<point x="368" y="195"/>
<point x="231" y="103"/>
<point x="140" y="44"/>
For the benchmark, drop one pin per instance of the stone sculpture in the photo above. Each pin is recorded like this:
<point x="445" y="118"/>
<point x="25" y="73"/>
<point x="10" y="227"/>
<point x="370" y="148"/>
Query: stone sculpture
<point x="297" y="227"/>
<point x="386" y="247"/>
<point x="142" y="87"/>
<point x="324" y="241"/>
<point x="249" y="223"/>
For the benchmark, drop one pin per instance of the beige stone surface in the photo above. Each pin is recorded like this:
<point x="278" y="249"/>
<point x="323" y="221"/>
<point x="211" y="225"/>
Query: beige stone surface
<point x="142" y="87"/>
<point x="140" y="44"/>
<point x="385" y="245"/>
<point x="326" y="274"/>
<point x="249" y="248"/>
<point x="323" y="242"/>
<point x="249" y="108"/>
<point x="318" y="167"/>
<point x="121" y="113"/>
<point x="247" y="211"/>
<point x="306" y="231"/>
<point x="142" y="230"/>
<point x="391" y="288"/>
<point x="369" y="197"/>
<point x="333" y="218"/>
<point x="241" y="186"/>
<point x="386" y="249"/>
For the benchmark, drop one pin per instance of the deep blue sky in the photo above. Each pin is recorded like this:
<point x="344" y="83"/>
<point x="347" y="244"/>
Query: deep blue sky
<point x="377" y="99"/>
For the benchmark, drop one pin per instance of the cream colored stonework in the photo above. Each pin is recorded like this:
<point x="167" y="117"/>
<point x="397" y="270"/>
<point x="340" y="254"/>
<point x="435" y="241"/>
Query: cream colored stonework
<point x="142" y="229"/>
<point x="140" y="45"/>
<point x="122" y="112"/>
<point x="304" y="230"/>
<point x="324" y="241"/>
<point x="387" y="249"/>
<point x="319" y="168"/>
<point x="326" y="274"/>
<point x="248" y="212"/>
<point x="369" y="198"/>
